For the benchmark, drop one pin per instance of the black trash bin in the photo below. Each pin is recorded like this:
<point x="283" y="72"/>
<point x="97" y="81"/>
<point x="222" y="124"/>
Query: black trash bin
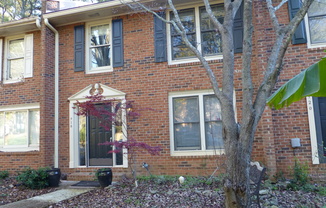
<point x="54" y="177"/>
<point x="104" y="176"/>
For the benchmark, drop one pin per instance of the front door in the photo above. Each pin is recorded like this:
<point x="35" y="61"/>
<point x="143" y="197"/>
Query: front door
<point x="99" y="154"/>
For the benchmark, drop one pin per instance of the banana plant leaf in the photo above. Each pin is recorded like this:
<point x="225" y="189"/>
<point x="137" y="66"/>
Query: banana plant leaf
<point x="310" y="82"/>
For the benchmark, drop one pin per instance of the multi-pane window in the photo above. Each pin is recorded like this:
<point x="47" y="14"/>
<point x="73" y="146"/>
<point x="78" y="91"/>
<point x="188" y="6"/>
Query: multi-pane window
<point x="19" y="128"/>
<point x="99" y="47"/>
<point x="317" y="22"/>
<point x="200" y="31"/>
<point x="18" y="58"/>
<point x="196" y="122"/>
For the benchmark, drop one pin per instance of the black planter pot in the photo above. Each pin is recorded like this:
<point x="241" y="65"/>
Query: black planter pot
<point x="54" y="177"/>
<point x="104" y="176"/>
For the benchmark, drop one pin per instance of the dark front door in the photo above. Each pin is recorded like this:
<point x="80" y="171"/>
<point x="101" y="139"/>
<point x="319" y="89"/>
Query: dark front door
<point x="320" y="119"/>
<point x="98" y="154"/>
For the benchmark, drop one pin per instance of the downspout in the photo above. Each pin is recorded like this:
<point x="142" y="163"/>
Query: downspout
<point x="56" y="93"/>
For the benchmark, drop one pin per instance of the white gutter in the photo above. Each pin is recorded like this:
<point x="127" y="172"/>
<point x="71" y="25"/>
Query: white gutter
<point x="56" y="94"/>
<point x="38" y="23"/>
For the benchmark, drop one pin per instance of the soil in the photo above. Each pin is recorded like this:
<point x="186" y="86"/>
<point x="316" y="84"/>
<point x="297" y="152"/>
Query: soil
<point x="163" y="194"/>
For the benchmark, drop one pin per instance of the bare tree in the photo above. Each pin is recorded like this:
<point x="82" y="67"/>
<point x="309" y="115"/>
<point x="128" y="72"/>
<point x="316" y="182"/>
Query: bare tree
<point x="238" y="137"/>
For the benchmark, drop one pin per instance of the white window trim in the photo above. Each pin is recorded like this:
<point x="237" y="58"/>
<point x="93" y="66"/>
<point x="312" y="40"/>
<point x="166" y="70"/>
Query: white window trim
<point x="202" y="152"/>
<point x="312" y="129"/>
<point x="20" y="148"/>
<point x="28" y="58"/>
<point x="198" y="39"/>
<point x="307" y="27"/>
<point x="1" y="52"/>
<point x="89" y="70"/>
<point x="108" y="93"/>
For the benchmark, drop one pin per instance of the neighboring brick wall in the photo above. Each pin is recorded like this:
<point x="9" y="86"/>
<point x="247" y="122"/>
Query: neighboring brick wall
<point x="37" y="89"/>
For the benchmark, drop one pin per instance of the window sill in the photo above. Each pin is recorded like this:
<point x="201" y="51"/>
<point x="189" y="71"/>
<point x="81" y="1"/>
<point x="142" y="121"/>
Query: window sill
<point x="100" y="70"/>
<point x="13" y="81"/>
<point x="197" y="153"/>
<point x="194" y="60"/>
<point x="317" y="45"/>
<point x="20" y="150"/>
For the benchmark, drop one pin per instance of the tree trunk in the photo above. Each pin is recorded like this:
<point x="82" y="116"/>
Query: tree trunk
<point x="236" y="182"/>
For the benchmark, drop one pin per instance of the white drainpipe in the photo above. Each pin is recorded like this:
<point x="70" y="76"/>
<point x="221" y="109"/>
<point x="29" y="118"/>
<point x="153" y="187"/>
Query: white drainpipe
<point x="56" y="94"/>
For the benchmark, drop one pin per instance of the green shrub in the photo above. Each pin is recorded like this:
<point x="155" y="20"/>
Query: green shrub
<point x="300" y="176"/>
<point x="34" y="179"/>
<point x="4" y="174"/>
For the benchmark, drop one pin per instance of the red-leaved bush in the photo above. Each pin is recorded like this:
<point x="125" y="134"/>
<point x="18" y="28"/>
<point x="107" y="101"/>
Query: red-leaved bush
<point x="110" y="112"/>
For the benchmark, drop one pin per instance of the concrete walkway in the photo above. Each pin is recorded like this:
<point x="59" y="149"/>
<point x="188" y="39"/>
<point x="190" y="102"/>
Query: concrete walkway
<point x="66" y="191"/>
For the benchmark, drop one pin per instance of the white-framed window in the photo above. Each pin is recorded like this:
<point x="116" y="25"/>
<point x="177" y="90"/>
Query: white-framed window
<point x="98" y="47"/>
<point x="86" y="133"/>
<point x="18" y="58"/>
<point x="195" y="123"/>
<point x="316" y="24"/>
<point x="19" y="128"/>
<point x="200" y="32"/>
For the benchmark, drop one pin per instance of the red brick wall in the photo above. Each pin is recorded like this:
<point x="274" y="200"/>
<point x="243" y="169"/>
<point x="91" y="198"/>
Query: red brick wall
<point x="148" y="84"/>
<point x="37" y="89"/>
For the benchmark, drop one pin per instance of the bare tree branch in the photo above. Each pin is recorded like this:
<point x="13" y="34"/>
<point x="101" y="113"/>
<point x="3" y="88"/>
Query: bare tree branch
<point x="275" y="60"/>
<point x="273" y="16"/>
<point x="216" y="23"/>
<point x="280" y="5"/>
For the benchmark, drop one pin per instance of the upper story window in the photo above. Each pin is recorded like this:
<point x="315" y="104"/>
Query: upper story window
<point x="18" y="58"/>
<point x="20" y="128"/>
<point x="99" y="47"/>
<point x="200" y="32"/>
<point x="316" y="18"/>
<point x="195" y="123"/>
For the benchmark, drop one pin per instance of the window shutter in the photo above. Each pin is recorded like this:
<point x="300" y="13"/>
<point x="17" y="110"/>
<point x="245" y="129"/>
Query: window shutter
<point x="1" y="52"/>
<point x="117" y="43"/>
<point x="79" y="50"/>
<point x="160" y="39"/>
<point x="320" y="121"/>
<point x="28" y="42"/>
<point x="238" y="30"/>
<point x="299" y="35"/>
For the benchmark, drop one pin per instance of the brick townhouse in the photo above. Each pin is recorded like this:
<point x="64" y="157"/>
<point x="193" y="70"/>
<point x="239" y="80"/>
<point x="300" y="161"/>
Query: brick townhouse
<point x="49" y="64"/>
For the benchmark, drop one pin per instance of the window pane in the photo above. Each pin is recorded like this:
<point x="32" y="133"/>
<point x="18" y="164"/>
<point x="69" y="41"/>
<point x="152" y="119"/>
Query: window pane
<point x="82" y="140"/>
<point x="205" y="21"/>
<point x="15" y="68"/>
<point x="180" y="49"/>
<point x="100" y="56"/>
<point x="211" y="43"/>
<point x="2" y="127"/>
<point x="100" y="35"/>
<point x="187" y="18"/>
<point x="317" y="8"/>
<point x="185" y="110"/>
<point x="16" y="48"/>
<point x="213" y="133"/>
<point x="15" y="128"/>
<point x="212" y="108"/>
<point x="211" y="40"/>
<point x="317" y="29"/>
<point x="34" y="125"/>
<point x="187" y="136"/>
